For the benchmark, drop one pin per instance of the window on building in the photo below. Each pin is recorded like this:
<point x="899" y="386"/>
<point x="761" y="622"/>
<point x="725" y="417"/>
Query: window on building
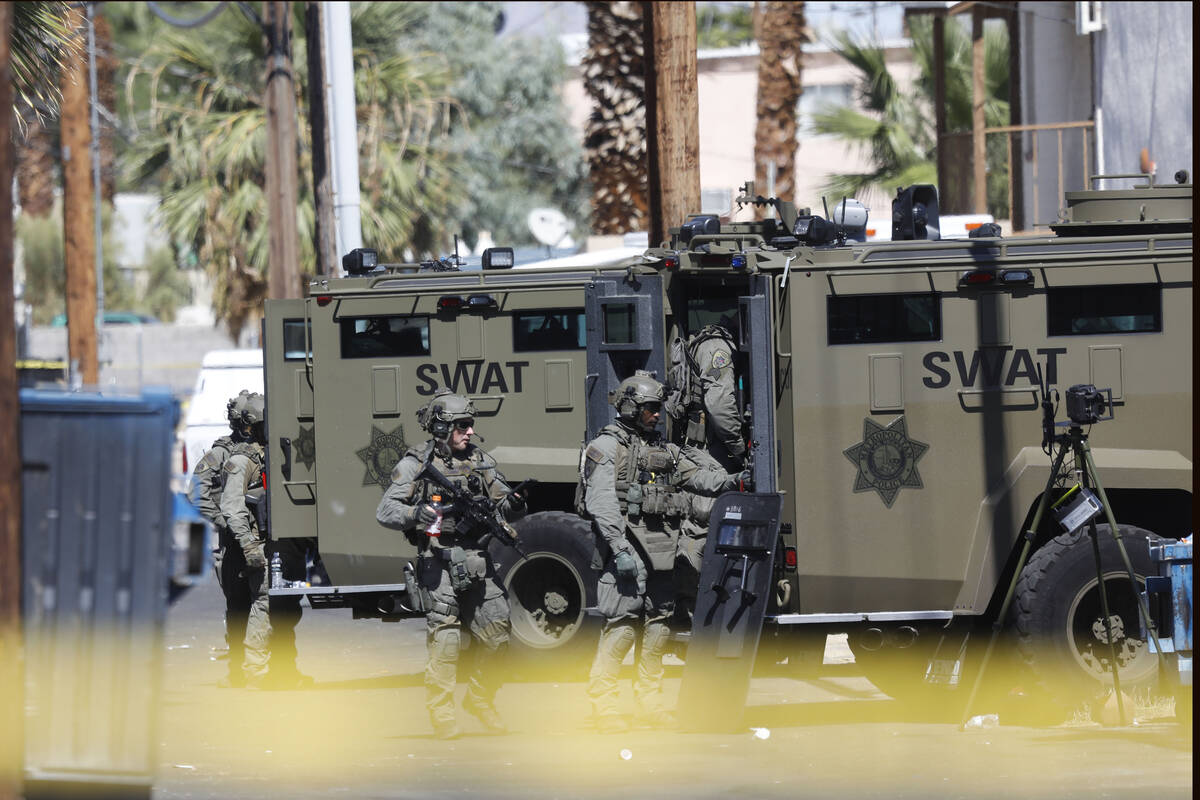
<point x="1084" y="310"/>
<point x="560" y="329"/>
<point x="380" y="337"/>
<point x="819" y="99"/>
<point x="870" y="318"/>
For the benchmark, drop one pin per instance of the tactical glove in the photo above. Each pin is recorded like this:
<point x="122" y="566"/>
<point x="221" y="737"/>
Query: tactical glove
<point x="425" y="514"/>
<point x="626" y="565"/>
<point x="256" y="557"/>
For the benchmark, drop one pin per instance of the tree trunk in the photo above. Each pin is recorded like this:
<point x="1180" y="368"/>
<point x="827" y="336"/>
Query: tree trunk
<point x="614" y="76"/>
<point x="781" y="32"/>
<point x="12" y="678"/>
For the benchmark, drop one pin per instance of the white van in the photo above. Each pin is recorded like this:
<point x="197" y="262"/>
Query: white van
<point x="223" y="373"/>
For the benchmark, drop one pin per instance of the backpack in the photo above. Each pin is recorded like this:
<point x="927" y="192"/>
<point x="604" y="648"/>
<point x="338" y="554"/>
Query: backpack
<point x="683" y="375"/>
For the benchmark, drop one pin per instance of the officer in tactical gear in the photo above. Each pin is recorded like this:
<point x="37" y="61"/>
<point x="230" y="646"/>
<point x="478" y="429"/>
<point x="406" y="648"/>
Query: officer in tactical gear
<point x="253" y="639"/>
<point x="205" y="492"/>
<point x="456" y="577"/>
<point x="712" y="419"/>
<point x="636" y="489"/>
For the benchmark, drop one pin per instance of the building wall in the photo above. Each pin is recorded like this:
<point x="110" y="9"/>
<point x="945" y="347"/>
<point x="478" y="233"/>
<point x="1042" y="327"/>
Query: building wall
<point x="1145" y="78"/>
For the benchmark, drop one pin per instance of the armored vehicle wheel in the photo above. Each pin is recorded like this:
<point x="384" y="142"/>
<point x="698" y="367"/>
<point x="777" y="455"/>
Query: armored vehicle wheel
<point x="1059" y="623"/>
<point x="549" y="590"/>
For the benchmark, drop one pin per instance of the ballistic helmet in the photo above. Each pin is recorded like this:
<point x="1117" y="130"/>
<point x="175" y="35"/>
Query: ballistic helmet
<point x="634" y="392"/>
<point x="254" y="409"/>
<point x="440" y="413"/>
<point x="233" y="409"/>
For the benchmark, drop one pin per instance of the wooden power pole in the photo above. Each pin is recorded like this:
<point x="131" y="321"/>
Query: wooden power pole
<point x="283" y="270"/>
<point x="12" y="680"/>
<point x="79" y="212"/>
<point x="672" y="115"/>
<point x="324" y="238"/>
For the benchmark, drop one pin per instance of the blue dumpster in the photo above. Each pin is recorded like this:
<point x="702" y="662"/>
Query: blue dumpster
<point x="96" y="527"/>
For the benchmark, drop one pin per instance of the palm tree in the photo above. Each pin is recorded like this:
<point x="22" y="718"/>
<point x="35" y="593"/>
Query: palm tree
<point x="895" y="129"/>
<point x="781" y="31"/>
<point x="614" y="76"/>
<point x="205" y="140"/>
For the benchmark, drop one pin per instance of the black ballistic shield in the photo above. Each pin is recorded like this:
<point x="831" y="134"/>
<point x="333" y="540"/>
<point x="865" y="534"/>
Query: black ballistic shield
<point x="735" y="585"/>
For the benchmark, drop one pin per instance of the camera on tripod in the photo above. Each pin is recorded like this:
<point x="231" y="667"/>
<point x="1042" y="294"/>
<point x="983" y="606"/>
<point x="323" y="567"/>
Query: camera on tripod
<point x="1086" y="404"/>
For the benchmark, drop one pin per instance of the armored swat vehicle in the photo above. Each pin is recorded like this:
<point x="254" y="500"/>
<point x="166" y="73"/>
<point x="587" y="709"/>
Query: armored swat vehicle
<point x="890" y="393"/>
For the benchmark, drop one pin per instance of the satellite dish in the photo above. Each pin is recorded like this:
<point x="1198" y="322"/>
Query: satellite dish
<point x="548" y="225"/>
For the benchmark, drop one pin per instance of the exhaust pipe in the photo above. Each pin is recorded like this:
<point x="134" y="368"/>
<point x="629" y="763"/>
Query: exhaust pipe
<point x="871" y="639"/>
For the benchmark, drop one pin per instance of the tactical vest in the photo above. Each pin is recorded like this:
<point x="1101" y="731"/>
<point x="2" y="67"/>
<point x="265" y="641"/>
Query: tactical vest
<point x="466" y="475"/>
<point x="648" y="490"/>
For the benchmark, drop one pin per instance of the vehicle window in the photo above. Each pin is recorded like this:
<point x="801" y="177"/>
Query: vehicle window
<point x="871" y="318"/>
<point x="293" y="339"/>
<point x="381" y="337"/>
<point x="1083" y="310"/>
<point x="619" y="323"/>
<point x="559" y="329"/>
<point x="707" y="309"/>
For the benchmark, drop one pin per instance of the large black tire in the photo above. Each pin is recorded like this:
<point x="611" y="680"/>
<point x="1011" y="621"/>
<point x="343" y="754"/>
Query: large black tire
<point x="549" y="591"/>
<point x="1059" y="622"/>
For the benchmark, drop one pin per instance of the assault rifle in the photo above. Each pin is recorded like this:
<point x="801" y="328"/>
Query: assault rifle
<point x="476" y="514"/>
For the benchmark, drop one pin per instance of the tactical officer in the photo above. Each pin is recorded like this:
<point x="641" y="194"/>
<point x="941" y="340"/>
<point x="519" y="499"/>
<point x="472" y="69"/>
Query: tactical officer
<point x="455" y="575"/>
<point x="265" y="654"/>
<point x="635" y="489"/>
<point x="205" y="491"/>
<point x="713" y="419"/>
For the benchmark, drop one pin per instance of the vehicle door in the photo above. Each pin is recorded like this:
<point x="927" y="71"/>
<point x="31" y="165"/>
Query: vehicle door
<point x="290" y="450"/>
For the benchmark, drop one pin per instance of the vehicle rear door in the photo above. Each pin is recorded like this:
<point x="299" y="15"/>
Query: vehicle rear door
<point x="291" y="443"/>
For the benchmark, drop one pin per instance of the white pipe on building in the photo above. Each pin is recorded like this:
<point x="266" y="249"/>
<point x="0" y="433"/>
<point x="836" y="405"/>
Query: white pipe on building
<point x="343" y="125"/>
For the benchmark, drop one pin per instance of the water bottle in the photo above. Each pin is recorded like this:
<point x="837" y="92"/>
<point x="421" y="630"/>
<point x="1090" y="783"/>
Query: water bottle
<point x="276" y="572"/>
<point x="435" y="527"/>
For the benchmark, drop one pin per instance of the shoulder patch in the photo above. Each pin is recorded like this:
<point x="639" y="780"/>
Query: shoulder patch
<point x="721" y="359"/>
<point x="597" y="454"/>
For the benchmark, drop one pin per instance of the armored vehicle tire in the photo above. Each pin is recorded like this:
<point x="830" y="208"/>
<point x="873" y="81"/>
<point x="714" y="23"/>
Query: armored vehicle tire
<point x="1059" y="623"/>
<point x="548" y="592"/>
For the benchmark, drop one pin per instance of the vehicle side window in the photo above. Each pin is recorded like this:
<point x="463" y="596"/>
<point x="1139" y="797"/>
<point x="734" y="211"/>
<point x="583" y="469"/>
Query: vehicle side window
<point x="381" y="337"/>
<point x="873" y="318"/>
<point x="1083" y="310"/>
<point x="293" y="339"/>
<point x="559" y="329"/>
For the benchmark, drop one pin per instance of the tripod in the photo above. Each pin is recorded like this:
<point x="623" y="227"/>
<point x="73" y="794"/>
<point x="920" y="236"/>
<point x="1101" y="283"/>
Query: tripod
<point x="1074" y="441"/>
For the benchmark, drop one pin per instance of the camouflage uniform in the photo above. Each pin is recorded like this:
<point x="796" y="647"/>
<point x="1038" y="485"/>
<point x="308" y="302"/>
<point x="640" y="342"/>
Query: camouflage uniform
<point x="636" y="491"/>
<point x="480" y="604"/>
<point x="245" y="566"/>
<point x="721" y="433"/>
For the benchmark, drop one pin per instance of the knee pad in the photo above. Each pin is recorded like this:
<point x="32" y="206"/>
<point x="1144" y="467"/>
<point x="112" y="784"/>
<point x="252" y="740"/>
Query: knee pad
<point x="617" y="640"/>
<point x="655" y="637"/>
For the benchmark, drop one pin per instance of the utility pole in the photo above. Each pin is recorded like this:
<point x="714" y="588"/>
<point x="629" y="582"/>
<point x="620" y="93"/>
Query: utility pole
<point x="978" y="98"/>
<point x="79" y="213"/>
<point x="324" y="234"/>
<point x="672" y="115"/>
<point x="283" y="273"/>
<point x="12" y="678"/>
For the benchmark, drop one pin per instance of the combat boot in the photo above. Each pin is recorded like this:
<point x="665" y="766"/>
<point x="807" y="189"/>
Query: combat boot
<point x="611" y="723"/>
<point x="486" y="714"/>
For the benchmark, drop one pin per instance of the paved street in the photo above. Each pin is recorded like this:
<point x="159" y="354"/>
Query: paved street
<point x="362" y="731"/>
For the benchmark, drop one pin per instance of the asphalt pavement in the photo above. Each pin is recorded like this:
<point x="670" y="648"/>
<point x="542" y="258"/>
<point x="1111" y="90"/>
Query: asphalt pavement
<point x="361" y="731"/>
